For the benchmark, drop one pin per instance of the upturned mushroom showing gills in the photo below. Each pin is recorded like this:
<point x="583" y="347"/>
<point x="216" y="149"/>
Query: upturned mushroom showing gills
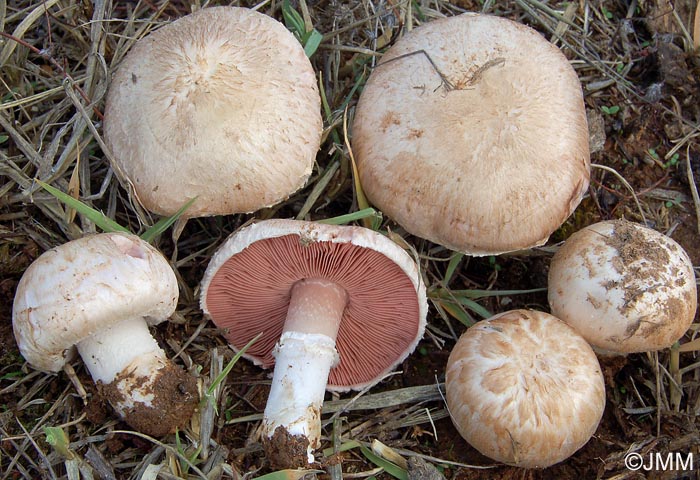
<point x="471" y="132"/>
<point x="624" y="287"/>
<point x="524" y="388"/>
<point x="338" y="308"/>
<point x="98" y="295"/>
<point x="221" y="105"/>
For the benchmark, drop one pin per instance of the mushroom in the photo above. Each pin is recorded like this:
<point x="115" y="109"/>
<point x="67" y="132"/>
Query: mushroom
<point x="221" y="105"/>
<point x="624" y="287"/>
<point x="524" y="388"/>
<point x="338" y="308"/>
<point x="98" y="295"/>
<point x="471" y="133"/>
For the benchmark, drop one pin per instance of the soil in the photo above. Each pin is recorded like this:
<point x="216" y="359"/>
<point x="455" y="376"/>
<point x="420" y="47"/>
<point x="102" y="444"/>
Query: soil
<point x="174" y="393"/>
<point x="642" y="93"/>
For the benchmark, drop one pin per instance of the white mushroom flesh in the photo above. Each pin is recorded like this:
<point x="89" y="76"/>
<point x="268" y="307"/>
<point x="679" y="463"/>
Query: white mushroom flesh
<point x="304" y="357"/>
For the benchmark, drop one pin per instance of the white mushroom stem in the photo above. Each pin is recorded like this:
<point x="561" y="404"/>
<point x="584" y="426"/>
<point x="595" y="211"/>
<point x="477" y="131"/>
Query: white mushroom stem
<point x="304" y="357"/>
<point x="126" y="352"/>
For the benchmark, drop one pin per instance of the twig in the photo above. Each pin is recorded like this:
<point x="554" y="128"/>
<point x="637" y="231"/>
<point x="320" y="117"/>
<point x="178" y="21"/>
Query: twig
<point x="693" y="186"/>
<point x="626" y="184"/>
<point x="447" y="85"/>
<point x="55" y="63"/>
<point x="167" y="447"/>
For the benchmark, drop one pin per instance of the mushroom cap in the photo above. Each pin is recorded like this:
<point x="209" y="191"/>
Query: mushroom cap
<point x="524" y="388"/>
<point x="624" y="287"/>
<point x="246" y="290"/>
<point x="221" y="105"/>
<point x="496" y="163"/>
<point x="76" y="289"/>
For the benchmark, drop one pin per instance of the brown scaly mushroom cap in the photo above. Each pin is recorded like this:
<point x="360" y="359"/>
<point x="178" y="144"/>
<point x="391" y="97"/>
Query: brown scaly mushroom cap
<point x="491" y="162"/>
<point x="524" y="389"/>
<point x="221" y="104"/>
<point x="338" y="307"/>
<point x="624" y="287"/>
<point x="98" y="295"/>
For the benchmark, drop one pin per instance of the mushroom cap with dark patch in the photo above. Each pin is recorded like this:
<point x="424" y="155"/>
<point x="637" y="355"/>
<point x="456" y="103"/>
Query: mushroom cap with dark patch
<point x="81" y="287"/>
<point x="221" y="105"/>
<point x="624" y="287"/>
<point x="495" y="161"/>
<point x="246" y="290"/>
<point x="524" y="388"/>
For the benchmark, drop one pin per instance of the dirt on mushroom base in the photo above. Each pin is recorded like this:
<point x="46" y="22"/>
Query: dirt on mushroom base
<point x="177" y="399"/>
<point x="284" y="449"/>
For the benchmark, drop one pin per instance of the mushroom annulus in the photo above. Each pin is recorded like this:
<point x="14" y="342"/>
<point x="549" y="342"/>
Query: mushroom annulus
<point x="338" y="308"/>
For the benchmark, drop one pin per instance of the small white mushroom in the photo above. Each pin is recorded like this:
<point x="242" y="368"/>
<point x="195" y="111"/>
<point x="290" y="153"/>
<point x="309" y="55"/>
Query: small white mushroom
<point x="624" y="287"/>
<point x="524" y="389"/>
<point x="98" y="295"/>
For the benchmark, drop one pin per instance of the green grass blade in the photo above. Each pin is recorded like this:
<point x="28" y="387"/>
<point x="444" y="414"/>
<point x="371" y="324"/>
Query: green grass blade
<point x="220" y="377"/>
<point x="354" y="216"/>
<point x="327" y="452"/>
<point x="496" y="293"/>
<point x="292" y="19"/>
<point x="452" y="266"/>
<point x="58" y="439"/>
<point x="327" y="111"/>
<point x="457" y="313"/>
<point x="473" y="306"/>
<point x="11" y="375"/>
<point x="476" y="294"/>
<point x="162" y="225"/>
<point x="95" y="216"/>
<point x="324" y="99"/>
<point x="348" y="97"/>
<point x="311" y="42"/>
<point x="390" y="468"/>
<point x="287" y="474"/>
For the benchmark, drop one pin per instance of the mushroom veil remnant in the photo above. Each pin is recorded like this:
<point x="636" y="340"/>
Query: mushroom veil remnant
<point x="98" y="295"/>
<point x="524" y="388"/>
<point x="624" y="287"/>
<point x="472" y="133"/>
<point x="221" y="105"/>
<point x="338" y="308"/>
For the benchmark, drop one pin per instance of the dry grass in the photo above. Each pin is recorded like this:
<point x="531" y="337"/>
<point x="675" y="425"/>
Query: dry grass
<point x="640" y="78"/>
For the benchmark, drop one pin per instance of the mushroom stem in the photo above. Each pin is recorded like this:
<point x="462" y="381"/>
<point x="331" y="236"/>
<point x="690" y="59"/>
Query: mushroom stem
<point x="109" y="351"/>
<point x="304" y="356"/>
<point x="137" y="378"/>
